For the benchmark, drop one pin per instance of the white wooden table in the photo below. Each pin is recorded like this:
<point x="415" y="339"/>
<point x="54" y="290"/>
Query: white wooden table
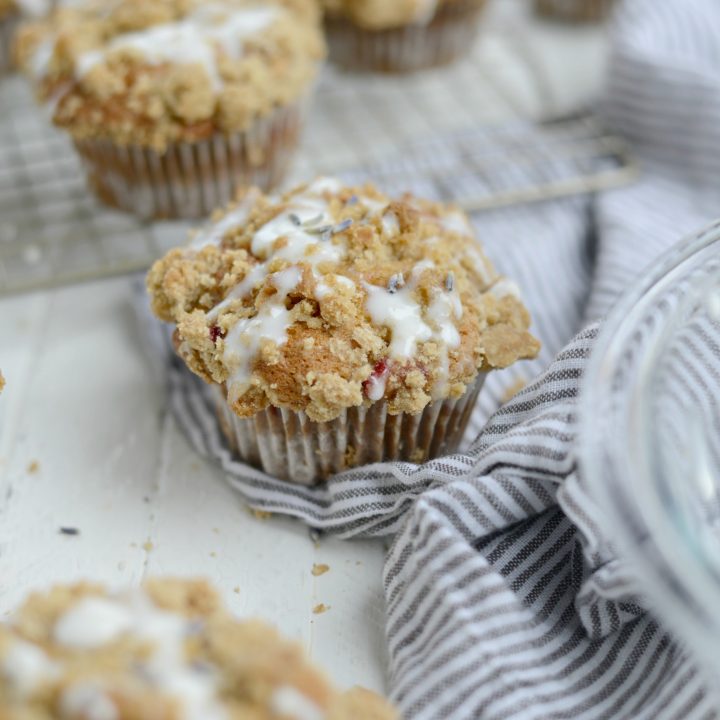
<point x="86" y="441"/>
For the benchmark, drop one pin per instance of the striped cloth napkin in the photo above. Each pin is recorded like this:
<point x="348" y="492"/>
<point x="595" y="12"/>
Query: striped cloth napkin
<point x="502" y="599"/>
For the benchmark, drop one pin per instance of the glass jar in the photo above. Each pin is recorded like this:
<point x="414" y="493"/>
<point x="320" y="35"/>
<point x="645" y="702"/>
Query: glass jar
<point x="649" y="444"/>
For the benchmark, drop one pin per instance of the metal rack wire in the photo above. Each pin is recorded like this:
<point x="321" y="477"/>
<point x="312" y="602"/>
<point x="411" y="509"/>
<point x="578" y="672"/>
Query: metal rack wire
<point x="425" y="133"/>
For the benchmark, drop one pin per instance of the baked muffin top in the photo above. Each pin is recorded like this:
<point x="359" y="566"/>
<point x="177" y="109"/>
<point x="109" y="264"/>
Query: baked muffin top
<point x="329" y="297"/>
<point x="150" y="73"/>
<point x="167" y="651"/>
<point x="385" y="14"/>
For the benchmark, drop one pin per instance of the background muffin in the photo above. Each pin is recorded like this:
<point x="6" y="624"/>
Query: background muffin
<point x="173" y="105"/>
<point x="400" y="35"/>
<point x="167" y="651"/>
<point x="340" y="327"/>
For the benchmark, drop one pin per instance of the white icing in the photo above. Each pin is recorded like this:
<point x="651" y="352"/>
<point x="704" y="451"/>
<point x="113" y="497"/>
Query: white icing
<point x="27" y="667"/>
<point x="325" y="184"/>
<point x="375" y="386"/>
<point x="298" y="227"/>
<point x="374" y="206"/>
<point x="504" y="287"/>
<point x="402" y="314"/>
<point x="245" y="338"/>
<point x="213" y="233"/>
<point x="192" y="40"/>
<point x="322" y="289"/>
<point x="300" y="245"/>
<point x="390" y="224"/>
<point x="88" y="701"/>
<point x="93" y="622"/>
<point x="445" y="306"/>
<point x="291" y="703"/>
<point x="482" y="266"/>
<point x="457" y="222"/>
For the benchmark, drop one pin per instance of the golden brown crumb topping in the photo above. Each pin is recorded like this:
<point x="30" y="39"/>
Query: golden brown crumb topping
<point x="330" y="297"/>
<point x="385" y="14"/>
<point x="167" y="651"/>
<point x="172" y="70"/>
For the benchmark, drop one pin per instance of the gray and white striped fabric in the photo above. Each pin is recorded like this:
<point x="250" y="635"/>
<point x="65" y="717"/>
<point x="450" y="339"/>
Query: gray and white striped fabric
<point x="503" y="597"/>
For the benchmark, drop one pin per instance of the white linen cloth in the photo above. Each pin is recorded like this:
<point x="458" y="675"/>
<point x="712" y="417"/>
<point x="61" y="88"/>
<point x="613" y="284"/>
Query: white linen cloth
<point x="502" y="599"/>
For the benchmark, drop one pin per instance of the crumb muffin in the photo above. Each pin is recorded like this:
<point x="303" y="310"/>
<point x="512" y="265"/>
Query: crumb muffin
<point x="167" y="651"/>
<point x="400" y="35"/>
<point x="339" y="327"/>
<point x="575" y="10"/>
<point x="174" y="105"/>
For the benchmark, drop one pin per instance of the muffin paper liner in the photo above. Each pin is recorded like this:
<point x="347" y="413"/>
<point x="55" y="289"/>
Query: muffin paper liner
<point x="191" y="179"/>
<point x="449" y="35"/>
<point x="290" y="446"/>
<point x="575" y="10"/>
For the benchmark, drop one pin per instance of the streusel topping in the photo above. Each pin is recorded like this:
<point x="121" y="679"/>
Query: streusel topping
<point x="330" y="297"/>
<point x="171" y="70"/>
<point x="385" y="14"/>
<point x="167" y="651"/>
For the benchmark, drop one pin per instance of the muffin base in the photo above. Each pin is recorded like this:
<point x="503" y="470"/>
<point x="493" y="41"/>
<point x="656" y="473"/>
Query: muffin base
<point x="290" y="446"/>
<point x="577" y="11"/>
<point x="8" y="24"/>
<point x="190" y="180"/>
<point x="449" y="35"/>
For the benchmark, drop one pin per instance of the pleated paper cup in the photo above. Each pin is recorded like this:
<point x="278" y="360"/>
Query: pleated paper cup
<point x="8" y="24"/>
<point x="449" y="35"/>
<point x="288" y="445"/>
<point x="575" y="10"/>
<point x="191" y="179"/>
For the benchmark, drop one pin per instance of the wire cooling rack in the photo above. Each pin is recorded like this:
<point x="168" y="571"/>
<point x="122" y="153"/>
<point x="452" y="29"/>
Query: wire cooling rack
<point x="406" y="133"/>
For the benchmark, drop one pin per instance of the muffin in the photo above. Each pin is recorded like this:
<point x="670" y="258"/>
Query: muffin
<point x="338" y="327"/>
<point x="575" y="10"/>
<point x="174" y="105"/>
<point x="168" y="651"/>
<point x="400" y="35"/>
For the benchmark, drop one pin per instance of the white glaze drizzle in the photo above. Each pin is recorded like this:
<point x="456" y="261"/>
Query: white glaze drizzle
<point x="390" y="224"/>
<point x="213" y="233"/>
<point x="403" y="315"/>
<point x="94" y="622"/>
<point x="297" y="226"/>
<point x="457" y="222"/>
<point x="375" y="386"/>
<point x="482" y="266"/>
<point x="291" y="703"/>
<point x="89" y="701"/>
<point x="27" y="667"/>
<point x="245" y="338"/>
<point x="504" y="288"/>
<point x="190" y="40"/>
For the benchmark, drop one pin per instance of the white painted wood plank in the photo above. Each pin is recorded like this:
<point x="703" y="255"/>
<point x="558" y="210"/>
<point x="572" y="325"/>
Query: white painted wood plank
<point x="88" y="417"/>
